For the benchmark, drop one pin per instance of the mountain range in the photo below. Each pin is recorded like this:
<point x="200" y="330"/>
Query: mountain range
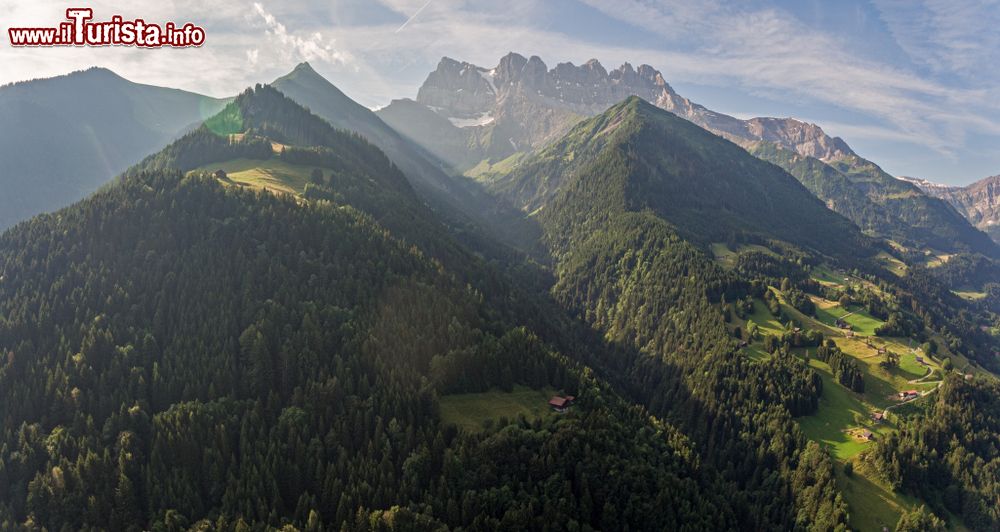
<point x="473" y="117"/>
<point x="531" y="299"/>
<point x="328" y="324"/>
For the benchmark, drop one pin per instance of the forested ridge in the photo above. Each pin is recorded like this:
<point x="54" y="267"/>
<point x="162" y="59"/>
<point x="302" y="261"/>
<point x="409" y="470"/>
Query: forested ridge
<point x="182" y="352"/>
<point x="198" y="355"/>
<point x="631" y="276"/>
<point x="178" y="354"/>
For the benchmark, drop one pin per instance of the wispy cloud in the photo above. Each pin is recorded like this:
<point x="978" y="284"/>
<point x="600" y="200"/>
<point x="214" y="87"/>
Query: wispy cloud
<point x="952" y="37"/>
<point x="943" y="100"/>
<point x="770" y="50"/>
<point x="310" y="47"/>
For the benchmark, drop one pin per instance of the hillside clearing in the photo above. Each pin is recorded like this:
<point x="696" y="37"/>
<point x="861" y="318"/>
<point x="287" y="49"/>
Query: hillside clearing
<point x="274" y="175"/>
<point x="471" y="411"/>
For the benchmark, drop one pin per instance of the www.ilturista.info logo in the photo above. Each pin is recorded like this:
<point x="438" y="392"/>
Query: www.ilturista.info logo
<point x="80" y="31"/>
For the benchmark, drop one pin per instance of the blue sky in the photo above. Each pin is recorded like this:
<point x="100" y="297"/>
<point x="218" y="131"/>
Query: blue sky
<point x="909" y="84"/>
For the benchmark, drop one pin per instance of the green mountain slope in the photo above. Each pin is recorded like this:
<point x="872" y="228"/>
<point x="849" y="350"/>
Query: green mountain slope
<point x="627" y="201"/>
<point x="233" y="356"/>
<point x="258" y="117"/>
<point x="64" y="137"/>
<point x="879" y="203"/>
<point x="310" y="90"/>
<point x="180" y="351"/>
<point x="614" y="199"/>
<point x="196" y="351"/>
<point x="636" y="157"/>
<point x="947" y="228"/>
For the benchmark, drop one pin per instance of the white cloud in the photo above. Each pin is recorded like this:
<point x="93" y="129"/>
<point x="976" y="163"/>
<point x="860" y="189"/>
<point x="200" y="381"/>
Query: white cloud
<point x="737" y="47"/>
<point x="769" y="50"/>
<point x="954" y="37"/>
<point x="312" y="47"/>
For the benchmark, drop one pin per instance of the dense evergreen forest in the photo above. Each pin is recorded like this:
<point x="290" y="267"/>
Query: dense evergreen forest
<point x="182" y="352"/>
<point x="949" y="457"/>
<point x="623" y="269"/>
<point x="179" y="354"/>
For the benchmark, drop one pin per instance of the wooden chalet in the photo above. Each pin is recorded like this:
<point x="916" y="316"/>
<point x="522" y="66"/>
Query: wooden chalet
<point x="908" y="394"/>
<point x="867" y="435"/>
<point x="878" y="417"/>
<point x="561" y="404"/>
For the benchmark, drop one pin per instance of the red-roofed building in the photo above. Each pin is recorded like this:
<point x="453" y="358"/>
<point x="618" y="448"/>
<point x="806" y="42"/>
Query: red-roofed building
<point x="561" y="404"/>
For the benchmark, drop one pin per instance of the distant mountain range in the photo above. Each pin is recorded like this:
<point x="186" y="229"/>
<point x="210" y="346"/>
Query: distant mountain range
<point x="492" y="106"/>
<point x="979" y="201"/>
<point x="475" y="118"/>
<point x="64" y="137"/>
<point x="295" y="316"/>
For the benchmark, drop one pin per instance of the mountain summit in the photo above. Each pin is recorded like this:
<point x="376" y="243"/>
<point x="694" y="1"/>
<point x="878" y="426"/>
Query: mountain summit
<point x="636" y="157"/>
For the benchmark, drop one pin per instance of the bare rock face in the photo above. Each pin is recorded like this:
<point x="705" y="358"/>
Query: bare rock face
<point x="808" y="139"/>
<point x="982" y="201"/>
<point x="978" y="202"/>
<point x="459" y="88"/>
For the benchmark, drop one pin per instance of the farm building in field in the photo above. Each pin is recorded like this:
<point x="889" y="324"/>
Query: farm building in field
<point x="878" y="417"/>
<point x="561" y="404"/>
<point x="908" y="394"/>
<point x="866" y="435"/>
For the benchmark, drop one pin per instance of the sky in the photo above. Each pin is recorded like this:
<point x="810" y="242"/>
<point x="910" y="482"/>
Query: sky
<point x="910" y="84"/>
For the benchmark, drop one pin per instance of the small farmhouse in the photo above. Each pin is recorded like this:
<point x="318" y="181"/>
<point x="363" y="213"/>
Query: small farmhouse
<point x="561" y="404"/>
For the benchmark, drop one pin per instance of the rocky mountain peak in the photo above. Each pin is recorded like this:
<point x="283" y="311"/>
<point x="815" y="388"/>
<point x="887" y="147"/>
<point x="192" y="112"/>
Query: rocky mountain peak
<point x="624" y="74"/>
<point x="304" y="67"/>
<point x="805" y="138"/>
<point x="461" y="89"/>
